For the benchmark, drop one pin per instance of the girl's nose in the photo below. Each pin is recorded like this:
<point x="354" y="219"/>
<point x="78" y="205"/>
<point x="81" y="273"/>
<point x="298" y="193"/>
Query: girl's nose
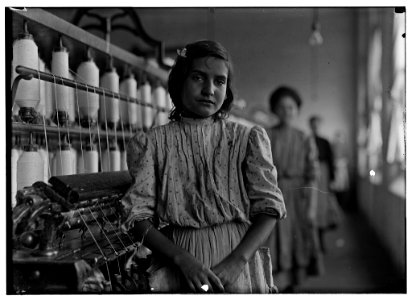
<point x="208" y="88"/>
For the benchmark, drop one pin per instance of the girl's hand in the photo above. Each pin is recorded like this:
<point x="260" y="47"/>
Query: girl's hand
<point x="229" y="269"/>
<point x="197" y="275"/>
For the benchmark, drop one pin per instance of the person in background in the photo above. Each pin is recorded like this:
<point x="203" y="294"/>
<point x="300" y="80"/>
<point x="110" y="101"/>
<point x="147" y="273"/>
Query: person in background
<point x="294" y="243"/>
<point x="205" y="194"/>
<point x="328" y="214"/>
<point x="341" y="184"/>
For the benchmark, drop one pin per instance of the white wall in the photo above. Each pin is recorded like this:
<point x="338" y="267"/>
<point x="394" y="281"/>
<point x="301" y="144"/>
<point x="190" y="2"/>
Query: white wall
<point x="269" y="47"/>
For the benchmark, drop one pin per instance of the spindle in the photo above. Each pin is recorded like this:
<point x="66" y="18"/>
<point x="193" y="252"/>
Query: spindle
<point x="25" y="53"/>
<point x="88" y="72"/>
<point x="60" y="67"/>
<point x="29" y="165"/>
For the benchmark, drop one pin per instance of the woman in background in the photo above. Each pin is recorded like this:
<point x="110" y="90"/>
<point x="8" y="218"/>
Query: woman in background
<point x="294" y="244"/>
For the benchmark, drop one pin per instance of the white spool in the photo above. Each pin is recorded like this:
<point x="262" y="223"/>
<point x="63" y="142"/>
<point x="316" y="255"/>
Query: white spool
<point x="52" y="164"/>
<point x="80" y="161"/>
<point x="147" y="98"/>
<point x="160" y="100"/>
<point x="45" y="156"/>
<point x="74" y="160"/>
<point x="109" y="106"/>
<point x="63" y="161"/>
<point x="41" y="106"/>
<point x="136" y="118"/>
<point x="15" y="154"/>
<point x="128" y="86"/>
<point x="60" y="67"/>
<point x="29" y="167"/>
<point x="89" y="161"/>
<point x="111" y="159"/>
<point x="115" y="159"/>
<point x="88" y="72"/>
<point x="25" y="53"/>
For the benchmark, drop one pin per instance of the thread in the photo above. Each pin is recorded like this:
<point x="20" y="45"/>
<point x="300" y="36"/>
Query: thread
<point x="111" y="158"/>
<point x="160" y="100"/>
<point x="136" y="116"/>
<point x="29" y="166"/>
<point x="109" y="106"/>
<point x="60" y="67"/>
<point x="25" y="53"/>
<point x="48" y="97"/>
<point x="123" y="163"/>
<point x="88" y="72"/>
<point x="128" y="86"/>
<point x="80" y="162"/>
<point x="19" y="145"/>
<point x="41" y="106"/>
<point x="72" y="102"/>
<point x="147" y="111"/>
<point x="74" y="159"/>
<point x="15" y="108"/>
<point x="45" y="156"/>
<point x="15" y="154"/>
<point x="52" y="155"/>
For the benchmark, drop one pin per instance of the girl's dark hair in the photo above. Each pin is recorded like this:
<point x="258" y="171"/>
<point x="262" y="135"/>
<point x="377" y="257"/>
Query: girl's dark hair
<point x="182" y="67"/>
<point x="281" y="92"/>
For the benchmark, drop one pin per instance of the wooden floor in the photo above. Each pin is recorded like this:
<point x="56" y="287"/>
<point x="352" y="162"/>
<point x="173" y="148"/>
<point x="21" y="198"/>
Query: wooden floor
<point x="355" y="262"/>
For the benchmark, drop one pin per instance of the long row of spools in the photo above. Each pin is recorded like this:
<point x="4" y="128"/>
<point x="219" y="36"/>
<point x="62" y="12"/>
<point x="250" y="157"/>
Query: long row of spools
<point x="39" y="156"/>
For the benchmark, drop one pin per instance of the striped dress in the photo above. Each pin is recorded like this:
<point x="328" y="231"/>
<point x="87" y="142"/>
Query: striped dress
<point x="201" y="181"/>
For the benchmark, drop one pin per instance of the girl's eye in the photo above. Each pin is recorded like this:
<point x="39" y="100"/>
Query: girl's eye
<point x="220" y="82"/>
<point x="197" y="77"/>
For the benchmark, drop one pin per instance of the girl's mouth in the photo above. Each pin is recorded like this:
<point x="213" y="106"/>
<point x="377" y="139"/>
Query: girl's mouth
<point x="207" y="101"/>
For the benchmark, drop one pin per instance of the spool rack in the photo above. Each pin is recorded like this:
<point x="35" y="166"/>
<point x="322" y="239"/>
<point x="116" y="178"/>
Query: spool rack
<point x="46" y="28"/>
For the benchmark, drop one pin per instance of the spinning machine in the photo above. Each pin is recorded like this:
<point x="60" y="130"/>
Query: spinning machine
<point x="71" y="123"/>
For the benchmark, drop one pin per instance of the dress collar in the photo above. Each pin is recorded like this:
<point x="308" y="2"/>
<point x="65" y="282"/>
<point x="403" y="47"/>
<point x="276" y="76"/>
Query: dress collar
<point x="198" y="121"/>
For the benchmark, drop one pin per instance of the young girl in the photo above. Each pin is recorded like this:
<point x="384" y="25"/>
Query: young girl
<point x="205" y="192"/>
<point x="294" y="243"/>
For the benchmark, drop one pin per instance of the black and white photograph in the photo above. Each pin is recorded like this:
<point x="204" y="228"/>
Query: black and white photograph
<point x="205" y="149"/>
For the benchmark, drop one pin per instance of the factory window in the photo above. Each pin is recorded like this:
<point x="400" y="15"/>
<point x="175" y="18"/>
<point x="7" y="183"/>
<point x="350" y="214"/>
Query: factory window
<point x="395" y="155"/>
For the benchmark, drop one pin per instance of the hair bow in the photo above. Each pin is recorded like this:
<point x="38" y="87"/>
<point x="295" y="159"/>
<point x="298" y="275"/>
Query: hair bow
<point x="182" y="52"/>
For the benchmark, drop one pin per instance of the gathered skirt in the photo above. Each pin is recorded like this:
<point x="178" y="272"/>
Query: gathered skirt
<point x="211" y="245"/>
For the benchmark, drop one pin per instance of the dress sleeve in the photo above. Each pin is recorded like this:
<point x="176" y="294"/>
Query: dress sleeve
<point x="140" y="200"/>
<point x="261" y="176"/>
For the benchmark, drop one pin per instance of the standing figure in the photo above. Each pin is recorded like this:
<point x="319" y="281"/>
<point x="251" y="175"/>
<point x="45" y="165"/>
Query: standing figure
<point x="341" y="183"/>
<point x="328" y="213"/>
<point x="205" y="194"/>
<point x="294" y="243"/>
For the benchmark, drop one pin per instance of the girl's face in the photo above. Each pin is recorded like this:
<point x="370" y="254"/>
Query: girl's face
<point x="287" y="110"/>
<point x="204" y="89"/>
